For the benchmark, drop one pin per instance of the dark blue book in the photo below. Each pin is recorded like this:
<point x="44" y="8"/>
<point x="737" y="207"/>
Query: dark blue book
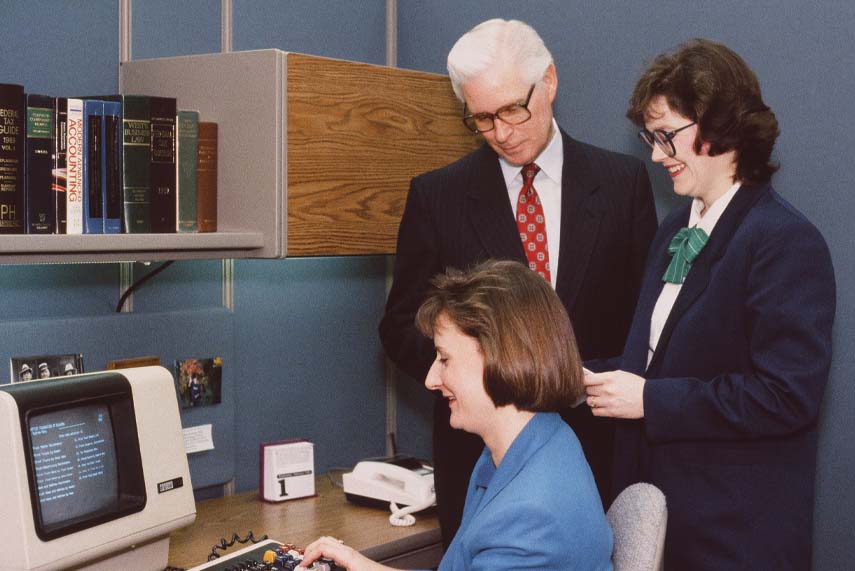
<point x="163" y="169"/>
<point x="58" y="168"/>
<point x="40" y="199"/>
<point x="111" y="167"/>
<point x="93" y="202"/>
<point x="13" y="134"/>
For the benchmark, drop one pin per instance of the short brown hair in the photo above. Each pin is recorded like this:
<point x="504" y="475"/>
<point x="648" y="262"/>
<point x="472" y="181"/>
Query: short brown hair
<point x="710" y="84"/>
<point x="530" y="355"/>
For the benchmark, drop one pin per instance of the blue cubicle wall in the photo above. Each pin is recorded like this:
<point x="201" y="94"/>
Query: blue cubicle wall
<point x="301" y="356"/>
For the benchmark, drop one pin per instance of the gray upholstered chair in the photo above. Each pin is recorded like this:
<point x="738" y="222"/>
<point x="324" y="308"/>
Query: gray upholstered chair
<point x="638" y="517"/>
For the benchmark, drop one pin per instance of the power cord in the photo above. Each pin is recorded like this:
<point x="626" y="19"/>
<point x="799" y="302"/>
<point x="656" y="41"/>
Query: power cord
<point x="140" y="282"/>
<point x="224" y="544"/>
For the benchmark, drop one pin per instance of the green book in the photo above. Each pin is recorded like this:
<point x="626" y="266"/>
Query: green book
<point x="188" y="152"/>
<point x="136" y="163"/>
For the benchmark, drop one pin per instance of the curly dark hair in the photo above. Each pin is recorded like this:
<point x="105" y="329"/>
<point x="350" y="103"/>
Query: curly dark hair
<point x="710" y="84"/>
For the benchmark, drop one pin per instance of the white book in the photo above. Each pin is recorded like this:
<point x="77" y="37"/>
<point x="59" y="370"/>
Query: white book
<point x="74" y="162"/>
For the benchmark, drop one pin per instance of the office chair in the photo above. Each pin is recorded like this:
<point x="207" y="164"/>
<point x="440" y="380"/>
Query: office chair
<point x="638" y="517"/>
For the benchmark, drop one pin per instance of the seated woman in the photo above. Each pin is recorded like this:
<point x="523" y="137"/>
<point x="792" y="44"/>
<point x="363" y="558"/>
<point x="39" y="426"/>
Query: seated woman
<point x="506" y="361"/>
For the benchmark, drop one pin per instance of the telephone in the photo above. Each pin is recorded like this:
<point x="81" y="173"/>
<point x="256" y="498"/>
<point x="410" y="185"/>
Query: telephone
<point x="404" y="484"/>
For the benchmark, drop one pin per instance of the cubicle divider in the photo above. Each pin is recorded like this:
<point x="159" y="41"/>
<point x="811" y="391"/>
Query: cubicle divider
<point x="203" y="333"/>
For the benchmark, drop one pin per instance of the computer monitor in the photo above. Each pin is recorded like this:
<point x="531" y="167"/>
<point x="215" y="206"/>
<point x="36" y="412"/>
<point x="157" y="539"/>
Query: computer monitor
<point x="93" y="473"/>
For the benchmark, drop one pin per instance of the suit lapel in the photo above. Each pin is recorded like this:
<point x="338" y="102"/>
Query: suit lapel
<point x="580" y="221"/>
<point x="699" y="275"/>
<point x="635" y="358"/>
<point x="489" y="209"/>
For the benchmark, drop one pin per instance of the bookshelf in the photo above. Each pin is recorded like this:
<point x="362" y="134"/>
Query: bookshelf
<point x="315" y="156"/>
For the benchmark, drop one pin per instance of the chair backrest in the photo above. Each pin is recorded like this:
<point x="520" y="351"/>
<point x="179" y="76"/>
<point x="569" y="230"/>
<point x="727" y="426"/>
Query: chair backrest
<point x="638" y="517"/>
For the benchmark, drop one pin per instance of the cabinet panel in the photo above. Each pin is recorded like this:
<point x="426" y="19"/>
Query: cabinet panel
<point x="357" y="134"/>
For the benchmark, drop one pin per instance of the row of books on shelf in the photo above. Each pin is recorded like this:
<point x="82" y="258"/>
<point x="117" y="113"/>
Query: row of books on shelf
<point x="112" y="164"/>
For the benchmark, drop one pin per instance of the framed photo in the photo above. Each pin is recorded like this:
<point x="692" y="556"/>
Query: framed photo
<point x="45" y="366"/>
<point x="199" y="381"/>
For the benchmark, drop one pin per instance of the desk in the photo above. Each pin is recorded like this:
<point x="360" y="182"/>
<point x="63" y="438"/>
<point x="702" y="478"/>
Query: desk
<point x="302" y="521"/>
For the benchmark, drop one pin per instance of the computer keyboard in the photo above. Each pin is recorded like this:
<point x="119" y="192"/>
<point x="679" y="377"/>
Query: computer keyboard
<point x="267" y="555"/>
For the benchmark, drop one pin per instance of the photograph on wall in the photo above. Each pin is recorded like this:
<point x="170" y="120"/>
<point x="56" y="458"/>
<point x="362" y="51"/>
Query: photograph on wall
<point x="199" y="381"/>
<point x="45" y="366"/>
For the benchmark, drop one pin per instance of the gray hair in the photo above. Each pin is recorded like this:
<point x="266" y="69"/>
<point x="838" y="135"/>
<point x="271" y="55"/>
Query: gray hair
<point x="494" y="41"/>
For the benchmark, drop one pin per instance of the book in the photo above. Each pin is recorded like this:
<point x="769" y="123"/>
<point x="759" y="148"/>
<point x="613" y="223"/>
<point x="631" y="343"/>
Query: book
<point x="206" y="177"/>
<point x="40" y="201"/>
<point x="13" y="133"/>
<point x="136" y="168"/>
<point x="93" y="204"/>
<point x="58" y="170"/>
<point x="187" y="125"/>
<point x="163" y="207"/>
<point x="111" y="167"/>
<point x="74" y="167"/>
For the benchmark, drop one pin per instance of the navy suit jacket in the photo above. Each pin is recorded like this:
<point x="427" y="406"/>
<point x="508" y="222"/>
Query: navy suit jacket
<point x="734" y="388"/>
<point x="460" y="215"/>
<point x="538" y="510"/>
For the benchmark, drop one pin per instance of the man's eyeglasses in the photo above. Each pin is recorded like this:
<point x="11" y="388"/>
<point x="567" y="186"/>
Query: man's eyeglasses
<point x="662" y="139"/>
<point x="513" y="114"/>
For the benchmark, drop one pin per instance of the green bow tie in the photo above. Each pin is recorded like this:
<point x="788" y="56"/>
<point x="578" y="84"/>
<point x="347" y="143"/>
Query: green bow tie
<point x="684" y="248"/>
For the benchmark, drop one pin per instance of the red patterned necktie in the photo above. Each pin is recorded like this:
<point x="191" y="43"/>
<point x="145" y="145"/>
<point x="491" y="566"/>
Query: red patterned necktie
<point x="532" y="224"/>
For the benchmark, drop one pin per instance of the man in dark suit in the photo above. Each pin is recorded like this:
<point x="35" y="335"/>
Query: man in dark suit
<point x="582" y="217"/>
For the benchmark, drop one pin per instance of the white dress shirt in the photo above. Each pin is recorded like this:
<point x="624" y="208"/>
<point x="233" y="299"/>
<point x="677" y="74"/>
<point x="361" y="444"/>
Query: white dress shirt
<point x="665" y="303"/>
<point x="547" y="183"/>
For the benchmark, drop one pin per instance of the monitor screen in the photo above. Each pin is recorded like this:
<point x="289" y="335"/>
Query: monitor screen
<point x="83" y="451"/>
<point x="92" y="471"/>
<point x="74" y="456"/>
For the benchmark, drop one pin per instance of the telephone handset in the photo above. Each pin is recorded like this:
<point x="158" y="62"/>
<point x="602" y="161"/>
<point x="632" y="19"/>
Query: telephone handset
<point x="405" y="484"/>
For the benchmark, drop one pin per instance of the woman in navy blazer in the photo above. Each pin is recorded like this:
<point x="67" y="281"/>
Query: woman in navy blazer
<point x="506" y="361"/>
<point x="727" y="358"/>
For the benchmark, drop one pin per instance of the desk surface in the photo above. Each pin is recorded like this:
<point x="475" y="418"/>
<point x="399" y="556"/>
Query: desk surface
<point x="299" y="522"/>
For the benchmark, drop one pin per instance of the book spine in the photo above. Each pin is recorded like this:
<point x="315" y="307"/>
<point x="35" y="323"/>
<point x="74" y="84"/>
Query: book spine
<point x="206" y="176"/>
<point x="12" y="156"/>
<point x="111" y="167"/>
<point x="163" y="207"/>
<point x="136" y="156"/>
<point x="93" y="211"/>
<point x="58" y="171"/>
<point x="40" y="203"/>
<point x="74" y="168"/>
<point x="188" y="154"/>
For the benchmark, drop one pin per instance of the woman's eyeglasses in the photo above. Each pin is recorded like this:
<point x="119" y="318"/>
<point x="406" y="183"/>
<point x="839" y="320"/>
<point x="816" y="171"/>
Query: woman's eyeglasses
<point x="662" y="139"/>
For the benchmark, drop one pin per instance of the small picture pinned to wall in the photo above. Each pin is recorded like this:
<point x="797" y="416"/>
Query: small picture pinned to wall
<point x="199" y="381"/>
<point x="45" y="366"/>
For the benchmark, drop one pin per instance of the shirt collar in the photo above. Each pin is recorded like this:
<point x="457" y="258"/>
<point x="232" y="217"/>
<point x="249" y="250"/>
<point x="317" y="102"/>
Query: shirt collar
<point x="550" y="161"/>
<point x="708" y="221"/>
<point x="538" y="429"/>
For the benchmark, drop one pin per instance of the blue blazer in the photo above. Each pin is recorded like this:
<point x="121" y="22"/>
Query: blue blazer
<point x="539" y="510"/>
<point x="734" y="388"/>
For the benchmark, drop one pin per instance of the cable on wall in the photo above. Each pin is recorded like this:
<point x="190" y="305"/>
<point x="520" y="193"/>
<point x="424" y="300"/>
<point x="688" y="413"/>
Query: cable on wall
<point x="140" y="282"/>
